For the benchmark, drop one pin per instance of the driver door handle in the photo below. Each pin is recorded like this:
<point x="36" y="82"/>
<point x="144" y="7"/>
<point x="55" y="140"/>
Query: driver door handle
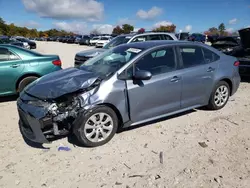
<point x="14" y="65"/>
<point x="175" y="79"/>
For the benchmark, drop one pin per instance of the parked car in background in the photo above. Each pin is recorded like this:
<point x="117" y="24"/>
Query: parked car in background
<point x="226" y="44"/>
<point x="71" y="40"/>
<point x="85" y="40"/>
<point x="103" y="41"/>
<point x="182" y="36"/>
<point x="240" y="51"/>
<point x="197" y="37"/>
<point x="19" y="67"/>
<point x="65" y="39"/>
<point x="83" y="56"/>
<point x="7" y="40"/>
<point x="32" y="44"/>
<point x="112" y="90"/>
<point x="94" y="40"/>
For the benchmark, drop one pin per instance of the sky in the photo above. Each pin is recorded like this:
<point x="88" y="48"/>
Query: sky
<point x="82" y="16"/>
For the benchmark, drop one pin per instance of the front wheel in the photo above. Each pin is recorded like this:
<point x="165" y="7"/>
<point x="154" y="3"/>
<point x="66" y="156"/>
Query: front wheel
<point x="219" y="96"/>
<point x="97" y="127"/>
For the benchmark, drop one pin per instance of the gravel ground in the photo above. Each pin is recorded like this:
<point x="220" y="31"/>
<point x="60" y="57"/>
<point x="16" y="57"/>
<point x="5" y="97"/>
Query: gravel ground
<point x="198" y="149"/>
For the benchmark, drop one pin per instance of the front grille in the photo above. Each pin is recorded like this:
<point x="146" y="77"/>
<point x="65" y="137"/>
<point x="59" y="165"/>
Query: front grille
<point x="80" y="59"/>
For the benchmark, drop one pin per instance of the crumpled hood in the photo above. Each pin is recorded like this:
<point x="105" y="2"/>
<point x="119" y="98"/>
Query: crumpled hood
<point x="61" y="82"/>
<point x="91" y="53"/>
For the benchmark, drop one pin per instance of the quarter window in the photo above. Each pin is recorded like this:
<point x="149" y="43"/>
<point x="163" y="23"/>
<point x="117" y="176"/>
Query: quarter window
<point x="191" y="56"/>
<point x="210" y="56"/>
<point x="158" y="61"/>
<point x="4" y="54"/>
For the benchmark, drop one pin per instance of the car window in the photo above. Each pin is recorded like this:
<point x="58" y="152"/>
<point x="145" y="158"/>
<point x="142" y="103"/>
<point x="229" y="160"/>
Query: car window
<point x="139" y="39"/>
<point x="191" y="56"/>
<point x="210" y="56"/>
<point x="167" y="37"/>
<point x="154" y="37"/>
<point x="6" y="55"/>
<point x="158" y="62"/>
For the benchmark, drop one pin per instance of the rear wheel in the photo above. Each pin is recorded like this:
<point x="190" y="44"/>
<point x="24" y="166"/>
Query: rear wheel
<point x="97" y="127"/>
<point x="24" y="82"/>
<point x="219" y="96"/>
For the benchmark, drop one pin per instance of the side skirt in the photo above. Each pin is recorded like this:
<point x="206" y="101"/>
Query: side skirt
<point x="130" y="123"/>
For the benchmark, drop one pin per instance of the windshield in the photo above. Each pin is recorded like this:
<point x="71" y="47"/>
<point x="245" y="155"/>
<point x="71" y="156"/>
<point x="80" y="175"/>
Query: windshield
<point x="95" y="38"/>
<point x="112" y="60"/>
<point x="104" y="38"/>
<point x="117" y="41"/>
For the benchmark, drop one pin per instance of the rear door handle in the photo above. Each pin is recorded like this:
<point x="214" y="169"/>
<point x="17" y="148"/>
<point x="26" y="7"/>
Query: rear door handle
<point x="14" y="65"/>
<point x="210" y="69"/>
<point x="175" y="79"/>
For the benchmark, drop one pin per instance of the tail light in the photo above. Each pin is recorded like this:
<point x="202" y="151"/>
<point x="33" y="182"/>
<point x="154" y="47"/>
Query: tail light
<point x="57" y="62"/>
<point x="236" y="63"/>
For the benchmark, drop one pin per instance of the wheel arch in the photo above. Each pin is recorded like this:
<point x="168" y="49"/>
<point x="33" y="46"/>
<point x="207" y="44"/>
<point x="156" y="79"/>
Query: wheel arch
<point x="25" y="76"/>
<point x="230" y="83"/>
<point x="117" y="112"/>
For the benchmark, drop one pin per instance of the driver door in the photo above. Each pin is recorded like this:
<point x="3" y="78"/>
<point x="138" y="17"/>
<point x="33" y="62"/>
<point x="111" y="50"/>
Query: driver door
<point x="162" y="93"/>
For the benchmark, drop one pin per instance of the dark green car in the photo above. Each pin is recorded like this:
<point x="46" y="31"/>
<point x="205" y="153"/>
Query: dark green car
<point x="19" y="67"/>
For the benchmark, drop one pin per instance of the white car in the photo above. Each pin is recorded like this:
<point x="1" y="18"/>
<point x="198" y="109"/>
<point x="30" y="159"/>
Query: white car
<point x="103" y="41"/>
<point x="94" y="40"/>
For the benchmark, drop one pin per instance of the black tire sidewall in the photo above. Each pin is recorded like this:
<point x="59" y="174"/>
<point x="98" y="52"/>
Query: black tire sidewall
<point x="212" y="104"/>
<point x="79" y="128"/>
<point x="25" y="81"/>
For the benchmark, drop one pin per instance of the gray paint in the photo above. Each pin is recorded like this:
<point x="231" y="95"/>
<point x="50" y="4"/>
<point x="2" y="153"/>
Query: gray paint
<point x="138" y="103"/>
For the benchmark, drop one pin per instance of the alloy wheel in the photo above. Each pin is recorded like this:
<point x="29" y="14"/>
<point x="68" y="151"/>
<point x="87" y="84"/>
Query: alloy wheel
<point x="98" y="127"/>
<point x="221" y="95"/>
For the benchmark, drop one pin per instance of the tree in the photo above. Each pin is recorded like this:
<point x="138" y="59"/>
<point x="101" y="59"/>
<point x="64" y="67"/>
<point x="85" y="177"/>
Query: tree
<point x="127" y="28"/>
<point x="222" y="28"/>
<point x="166" y="28"/>
<point x="3" y="27"/>
<point x="117" y="30"/>
<point x="95" y="32"/>
<point x="142" y="30"/>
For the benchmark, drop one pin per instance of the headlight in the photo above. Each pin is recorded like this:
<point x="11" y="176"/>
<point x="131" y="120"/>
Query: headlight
<point x="38" y="103"/>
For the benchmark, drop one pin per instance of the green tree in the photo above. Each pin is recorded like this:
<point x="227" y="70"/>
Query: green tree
<point x="3" y="27"/>
<point x="213" y="31"/>
<point x="127" y="28"/>
<point x="117" y="30"/>
<point x="222" y="28"/>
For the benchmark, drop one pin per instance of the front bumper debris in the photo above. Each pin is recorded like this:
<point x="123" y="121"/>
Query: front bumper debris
<point x="43" y="124"/>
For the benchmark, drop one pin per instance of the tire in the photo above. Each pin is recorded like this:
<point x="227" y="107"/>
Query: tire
<point x="24" y="82"/>
<point x="93" y="136"/>
<point x="217" y="104"/>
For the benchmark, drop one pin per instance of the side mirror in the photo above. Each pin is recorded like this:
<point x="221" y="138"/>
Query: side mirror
<point x="142" y="75"/>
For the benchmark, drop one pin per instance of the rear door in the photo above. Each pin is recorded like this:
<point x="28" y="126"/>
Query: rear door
<point x="162" y="93"/>
<point x="11" y="67"/>
<point x="198" y="68"/>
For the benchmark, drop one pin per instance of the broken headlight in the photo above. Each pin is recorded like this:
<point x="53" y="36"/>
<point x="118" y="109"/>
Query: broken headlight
<point x="38" y="103"/>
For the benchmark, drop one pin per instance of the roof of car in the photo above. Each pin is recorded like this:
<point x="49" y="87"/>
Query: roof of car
<point x="151" y="44"/>
<point x="147" y="33"/>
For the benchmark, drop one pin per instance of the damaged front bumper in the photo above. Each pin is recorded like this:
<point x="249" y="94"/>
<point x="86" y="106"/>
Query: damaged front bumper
<point x="43" y="124"/>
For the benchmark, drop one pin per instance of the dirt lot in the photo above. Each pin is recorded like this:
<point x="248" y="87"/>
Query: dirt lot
<point x="199" y="149"/>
